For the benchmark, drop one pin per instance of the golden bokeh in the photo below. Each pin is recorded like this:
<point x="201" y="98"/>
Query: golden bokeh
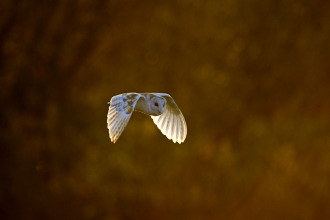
<point x="252" y="79"/>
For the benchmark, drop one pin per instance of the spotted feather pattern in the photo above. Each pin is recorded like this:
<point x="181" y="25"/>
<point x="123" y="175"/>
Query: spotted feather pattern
<point x="120" y="111"/>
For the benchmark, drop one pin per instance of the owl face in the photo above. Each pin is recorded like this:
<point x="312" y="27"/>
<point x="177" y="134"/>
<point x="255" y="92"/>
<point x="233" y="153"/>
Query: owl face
<point x="157" y="105"/>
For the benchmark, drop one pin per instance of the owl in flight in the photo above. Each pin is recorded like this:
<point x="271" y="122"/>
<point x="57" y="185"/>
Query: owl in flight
<point x="160" y="106"/>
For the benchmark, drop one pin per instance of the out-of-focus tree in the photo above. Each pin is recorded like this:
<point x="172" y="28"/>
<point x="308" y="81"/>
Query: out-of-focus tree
<point x="251" y="78"/>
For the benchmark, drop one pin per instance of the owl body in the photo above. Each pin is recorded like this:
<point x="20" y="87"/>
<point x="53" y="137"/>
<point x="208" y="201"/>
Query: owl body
<point x="150" y="104"/>
<point x="160" y="106"/>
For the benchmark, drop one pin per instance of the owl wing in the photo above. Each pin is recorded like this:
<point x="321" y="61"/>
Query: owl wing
<point x="171" y="122"/>
<point x="120" y="111"/>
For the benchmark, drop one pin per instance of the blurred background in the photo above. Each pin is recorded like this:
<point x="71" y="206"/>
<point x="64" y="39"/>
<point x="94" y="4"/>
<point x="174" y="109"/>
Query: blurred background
<point x="251" y="78"/>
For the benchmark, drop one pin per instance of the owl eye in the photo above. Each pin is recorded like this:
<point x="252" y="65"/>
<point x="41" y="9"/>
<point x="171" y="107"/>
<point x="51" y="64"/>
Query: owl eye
<point x="156" y="104"/>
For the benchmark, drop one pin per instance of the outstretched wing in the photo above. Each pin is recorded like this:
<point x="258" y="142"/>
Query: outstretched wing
<point x="171" y="122"/>
<point x="120" y="111"/>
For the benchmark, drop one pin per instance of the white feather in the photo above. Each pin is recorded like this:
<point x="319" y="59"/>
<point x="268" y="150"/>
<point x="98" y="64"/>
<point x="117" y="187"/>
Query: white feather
<point x="168" y="119"/>
<point x="171" y="119"/>
<point x="119" y="114"/>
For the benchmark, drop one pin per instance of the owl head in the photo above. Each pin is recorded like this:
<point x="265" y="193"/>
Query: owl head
<point x="157" y="105"/>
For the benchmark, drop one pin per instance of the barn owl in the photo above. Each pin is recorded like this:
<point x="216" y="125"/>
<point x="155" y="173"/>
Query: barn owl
<point x="160" y="106"/>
